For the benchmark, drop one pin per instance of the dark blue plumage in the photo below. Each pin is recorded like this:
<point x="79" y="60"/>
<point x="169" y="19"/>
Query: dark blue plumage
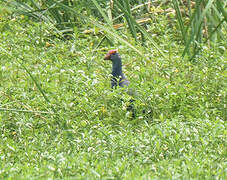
<point x="118" y="78"/>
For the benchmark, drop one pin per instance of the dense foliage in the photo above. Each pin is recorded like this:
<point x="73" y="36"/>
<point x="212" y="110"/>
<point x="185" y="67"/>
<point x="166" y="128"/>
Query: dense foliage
<point x="59" y="119"/>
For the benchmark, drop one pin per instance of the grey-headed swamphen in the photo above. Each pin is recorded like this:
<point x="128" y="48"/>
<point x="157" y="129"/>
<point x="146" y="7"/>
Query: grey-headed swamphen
<point x="118" y="78"/>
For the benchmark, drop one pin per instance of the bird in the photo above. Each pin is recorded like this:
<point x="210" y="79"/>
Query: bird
<point x="118" y="77"/>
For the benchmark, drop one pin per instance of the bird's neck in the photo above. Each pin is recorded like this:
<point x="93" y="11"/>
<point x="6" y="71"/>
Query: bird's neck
<point x="117" y="68"/>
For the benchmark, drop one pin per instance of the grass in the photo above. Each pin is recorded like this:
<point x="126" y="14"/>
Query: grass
<point x="83" y="131"/>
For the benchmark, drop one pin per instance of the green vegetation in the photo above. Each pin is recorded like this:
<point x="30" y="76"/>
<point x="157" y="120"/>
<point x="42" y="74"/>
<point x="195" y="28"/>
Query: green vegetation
<point x="59" y="118"/>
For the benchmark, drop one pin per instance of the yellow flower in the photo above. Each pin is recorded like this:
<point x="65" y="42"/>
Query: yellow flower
<point x="49" y="45"/>
<point x="103" y="109"/>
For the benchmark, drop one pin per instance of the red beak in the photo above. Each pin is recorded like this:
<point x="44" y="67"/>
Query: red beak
<point x="107" y="56"/>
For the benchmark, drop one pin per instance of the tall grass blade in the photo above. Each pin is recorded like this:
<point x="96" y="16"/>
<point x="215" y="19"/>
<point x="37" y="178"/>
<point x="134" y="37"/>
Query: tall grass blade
<point x="180" y="20"/>
<point x="221" y="9"/>
<point x="197" y="25"/>
<point x="29" y="11"/>
<point x="132" y="9"/>
<point x="114" y="34"/>
<point x="143" y="31"/>
<point x="211" y="34"/>
<point x="36" y="82"/>
<point x="128" y="17"/>
<point x="109" y="22"/>
<point x="191" y="27"/>
<point x="109" y="30"/>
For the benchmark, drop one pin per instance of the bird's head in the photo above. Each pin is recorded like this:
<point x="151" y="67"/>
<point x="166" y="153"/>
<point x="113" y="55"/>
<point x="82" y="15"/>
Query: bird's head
<point x="112" y="55"/>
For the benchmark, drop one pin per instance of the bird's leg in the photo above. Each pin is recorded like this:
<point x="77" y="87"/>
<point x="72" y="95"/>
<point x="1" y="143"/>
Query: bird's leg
<point x="131" y="107"/>
<point x="114" y="82"/>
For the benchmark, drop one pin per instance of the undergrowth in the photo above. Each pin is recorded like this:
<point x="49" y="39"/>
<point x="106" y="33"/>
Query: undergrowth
<point x="82" y="129"/>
